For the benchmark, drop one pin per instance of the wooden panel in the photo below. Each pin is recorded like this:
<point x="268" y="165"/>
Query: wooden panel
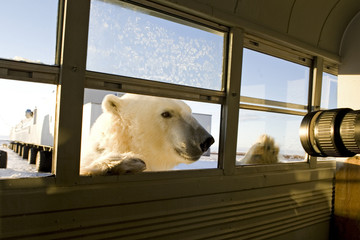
<point x="347" y="199"/>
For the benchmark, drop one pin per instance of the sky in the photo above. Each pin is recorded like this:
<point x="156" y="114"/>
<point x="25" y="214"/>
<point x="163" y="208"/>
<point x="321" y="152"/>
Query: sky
<point x="125" y="42"/>
<point x="30" y="28"/>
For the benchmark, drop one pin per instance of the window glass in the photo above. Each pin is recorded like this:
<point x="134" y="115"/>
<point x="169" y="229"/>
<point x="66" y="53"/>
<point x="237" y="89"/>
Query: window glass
<point x="283" y="129"/>
<point x="27" y="121"/>
<point x="159" y="131"/>
<point x="28" y="30"/>
<point x="329" y="91"/>
<point x="272" y="78"/>
<point x="139" y="43"/>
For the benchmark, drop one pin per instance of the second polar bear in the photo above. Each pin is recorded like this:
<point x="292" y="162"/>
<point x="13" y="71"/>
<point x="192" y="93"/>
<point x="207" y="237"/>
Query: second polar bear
<point x="137" y="132"/>
<point x="264" y="151"/>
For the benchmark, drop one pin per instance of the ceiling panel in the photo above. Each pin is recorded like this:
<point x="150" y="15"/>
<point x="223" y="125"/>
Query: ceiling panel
<point x="272" y="14"/>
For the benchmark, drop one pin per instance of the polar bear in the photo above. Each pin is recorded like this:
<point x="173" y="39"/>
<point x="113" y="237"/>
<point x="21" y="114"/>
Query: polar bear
<point x="136" y="133"/>
<point x="264" y="151"/>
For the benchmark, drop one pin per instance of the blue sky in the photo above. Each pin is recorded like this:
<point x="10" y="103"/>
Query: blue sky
<point x="272" y="78"/>
<point x="124" y="42"/>
<point x="28" y="29"/>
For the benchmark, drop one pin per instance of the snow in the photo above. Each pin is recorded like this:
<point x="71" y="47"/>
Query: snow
<point x="17" y="167"/>
<point x="203" y="163"/>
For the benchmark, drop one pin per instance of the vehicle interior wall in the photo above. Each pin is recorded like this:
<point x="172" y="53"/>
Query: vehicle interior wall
<point x="290" y="201"/>
<point x="349" y="73"/>
<point x="271" y="205"/>
<point x="346" y="207"/>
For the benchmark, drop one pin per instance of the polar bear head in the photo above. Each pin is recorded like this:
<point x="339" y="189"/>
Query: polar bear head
<point x="162" y="132"/>
<point x="264" y="151"/>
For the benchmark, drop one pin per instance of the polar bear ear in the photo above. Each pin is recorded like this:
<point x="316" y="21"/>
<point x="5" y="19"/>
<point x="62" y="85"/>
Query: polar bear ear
<point x="111" y="104"/>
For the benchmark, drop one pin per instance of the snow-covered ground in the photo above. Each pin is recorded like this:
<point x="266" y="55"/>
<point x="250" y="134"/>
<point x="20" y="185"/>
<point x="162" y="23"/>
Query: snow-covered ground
<point x="203" y="163"/>
<point x="17" y="167"/>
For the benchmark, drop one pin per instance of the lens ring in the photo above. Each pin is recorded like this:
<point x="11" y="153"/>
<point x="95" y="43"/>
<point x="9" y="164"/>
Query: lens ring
<point x="306" y="133"/>
<point x="334" y="132"/>
<point x="327" y="133"/>
<point x="350" y="131"/>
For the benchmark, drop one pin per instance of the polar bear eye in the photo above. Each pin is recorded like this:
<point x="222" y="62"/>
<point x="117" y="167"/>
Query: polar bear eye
<point x="166" y="114"/>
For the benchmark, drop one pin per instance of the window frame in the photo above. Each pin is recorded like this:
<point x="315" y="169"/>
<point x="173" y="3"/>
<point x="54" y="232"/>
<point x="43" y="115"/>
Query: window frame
<point x="68" y="171"/>
<point x="72" y="78"/>
<point x="272" y="49"/>
<point x="316" y="66"/>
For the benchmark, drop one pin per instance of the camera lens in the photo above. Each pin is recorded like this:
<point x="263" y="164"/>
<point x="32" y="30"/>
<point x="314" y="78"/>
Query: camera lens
<point x="350" y="131"/>
<point x="331" y="133"/>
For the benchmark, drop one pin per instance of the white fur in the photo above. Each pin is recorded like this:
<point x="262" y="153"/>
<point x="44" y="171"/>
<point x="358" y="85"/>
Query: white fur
<point x="264" y="151"/>
<point x="131" y="135"/>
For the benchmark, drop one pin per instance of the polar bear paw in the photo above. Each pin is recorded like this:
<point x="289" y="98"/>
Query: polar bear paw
<point x="114" y="165"/>
<point x="128" y="166"/>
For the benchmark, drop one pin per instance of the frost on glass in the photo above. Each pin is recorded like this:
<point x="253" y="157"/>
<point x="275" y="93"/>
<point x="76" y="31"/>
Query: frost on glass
<point x="132" y="43"/>
<point x="282" y="128"/>
<point x="329" y="91"/>
<point x="27" y="121"/>
<point x="272" y="78"/>
<point x="28" y="30"/>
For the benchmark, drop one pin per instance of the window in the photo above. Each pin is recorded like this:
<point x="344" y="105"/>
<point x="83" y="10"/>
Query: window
<point x="274" y="95"/>
<point x="329" y="91"/>
<point x="28" y="30"/>
<point x="150" y="50"/>
<point x="28" y="46"/>
<point x="135" y="50"/>
<point x="271" y="78"/>
<point x="27" y="127"/>
<point x="135" y="42"/>
<point x="283" y="128"/>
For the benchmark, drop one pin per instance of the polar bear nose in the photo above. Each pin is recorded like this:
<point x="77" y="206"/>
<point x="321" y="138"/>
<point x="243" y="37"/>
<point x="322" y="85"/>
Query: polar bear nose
<point x="207" y="143"/>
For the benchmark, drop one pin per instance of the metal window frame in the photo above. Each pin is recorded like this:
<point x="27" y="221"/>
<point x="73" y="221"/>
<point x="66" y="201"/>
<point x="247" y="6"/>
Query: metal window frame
<point x="331" y="67"/>
<point x="72" y="78"/>
<point x="104" y="81"/>
<point x="316" y="65"/>
<point x="68" y="157"/>
<point x="273" y="49"/>
<point x="29" y="72"/>
<point x="278" y="51"/>
<point x="70" y="94"/>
